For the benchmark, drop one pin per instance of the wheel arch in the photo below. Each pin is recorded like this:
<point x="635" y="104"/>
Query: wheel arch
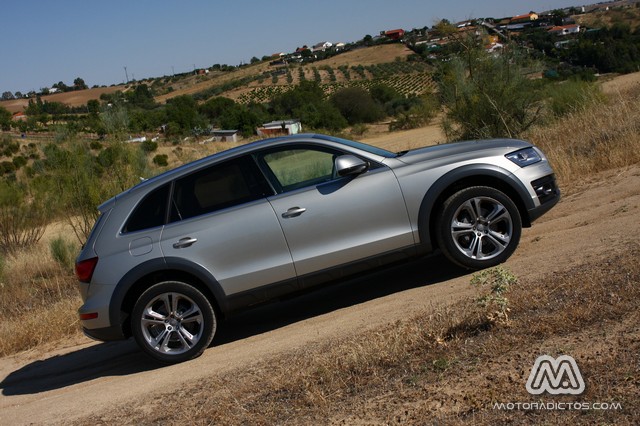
<point x="464" y="177"/>
<point x="139" y="279"/>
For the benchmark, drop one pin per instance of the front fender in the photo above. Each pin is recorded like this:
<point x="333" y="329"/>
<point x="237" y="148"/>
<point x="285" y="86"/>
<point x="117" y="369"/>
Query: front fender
<point x="465" y="176"/>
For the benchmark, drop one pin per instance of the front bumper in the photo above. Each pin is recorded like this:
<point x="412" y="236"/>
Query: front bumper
<point x="548" y="194"/>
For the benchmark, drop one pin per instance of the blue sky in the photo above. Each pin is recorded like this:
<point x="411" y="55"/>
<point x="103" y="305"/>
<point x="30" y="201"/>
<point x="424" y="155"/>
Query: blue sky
<point x="44" y="42"/>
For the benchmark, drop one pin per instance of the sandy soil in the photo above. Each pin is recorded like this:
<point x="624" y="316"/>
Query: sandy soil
<point x="81" y="378"/>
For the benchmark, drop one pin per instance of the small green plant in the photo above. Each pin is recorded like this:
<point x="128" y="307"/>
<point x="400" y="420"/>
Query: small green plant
<point x="498" y="280"/>
<point x="63" y="252"/>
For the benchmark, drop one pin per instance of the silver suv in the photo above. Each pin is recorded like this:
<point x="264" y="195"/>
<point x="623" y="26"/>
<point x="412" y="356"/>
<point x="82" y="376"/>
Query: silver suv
<point x="172" y="256"/>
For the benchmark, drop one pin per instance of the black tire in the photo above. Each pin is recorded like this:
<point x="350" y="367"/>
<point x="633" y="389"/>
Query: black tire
<point x="173" y="322"/>
<point x="478" y="227"/>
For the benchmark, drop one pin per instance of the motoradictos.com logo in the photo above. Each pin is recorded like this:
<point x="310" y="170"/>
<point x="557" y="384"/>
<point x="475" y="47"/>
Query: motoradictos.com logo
<point x="556" y="376"/>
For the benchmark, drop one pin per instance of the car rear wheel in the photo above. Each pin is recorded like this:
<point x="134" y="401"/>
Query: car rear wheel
<point x="173" y="322"/>
<point x="478" y="227"/>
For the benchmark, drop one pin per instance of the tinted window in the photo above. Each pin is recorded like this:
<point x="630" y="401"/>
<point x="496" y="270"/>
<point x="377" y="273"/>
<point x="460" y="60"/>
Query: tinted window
<point x="300" y="167"/>
<point x="151" y="212"/>
<point x="221" y="186"/>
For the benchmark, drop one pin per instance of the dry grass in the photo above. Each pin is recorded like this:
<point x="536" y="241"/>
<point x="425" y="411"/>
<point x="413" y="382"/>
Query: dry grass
<point x="450" y="366"/>
<point x="38" y="300"/>
<point x="601" y="137"/>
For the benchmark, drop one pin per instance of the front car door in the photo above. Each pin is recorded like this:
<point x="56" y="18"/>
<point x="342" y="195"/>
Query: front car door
<point x="328" y="220"/>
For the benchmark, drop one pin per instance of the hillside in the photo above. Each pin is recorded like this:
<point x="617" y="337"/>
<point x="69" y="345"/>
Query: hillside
<point x="72" y="99"/>
<point x="258" y="77"/>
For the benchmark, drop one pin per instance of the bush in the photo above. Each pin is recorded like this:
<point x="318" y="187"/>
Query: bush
<point x="63" y="252"/>
<point x="19" y="162"/>
<point x="7" y="167"/>
<point x="148" y="146"/>
<point x="572" y="96"/>
<point x="161" y="160"/>
<point x="489" y="97"/>
<point x="21" y="226"/>
<point x="356" y="105"/>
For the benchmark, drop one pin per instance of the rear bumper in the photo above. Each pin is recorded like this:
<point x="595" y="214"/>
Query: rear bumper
<point x="105" y="334"/>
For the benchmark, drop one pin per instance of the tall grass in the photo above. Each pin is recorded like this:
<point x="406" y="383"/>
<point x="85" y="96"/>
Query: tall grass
<point x="38" y="300"/>
<point x="586" y="141"/>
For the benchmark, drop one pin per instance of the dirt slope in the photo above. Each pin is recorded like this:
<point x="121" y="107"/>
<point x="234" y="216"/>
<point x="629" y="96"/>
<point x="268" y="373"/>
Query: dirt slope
<point x="87" y="378"/>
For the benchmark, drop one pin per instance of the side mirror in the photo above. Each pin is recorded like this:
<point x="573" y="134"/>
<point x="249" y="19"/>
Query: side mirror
<point x="350" y="165"/>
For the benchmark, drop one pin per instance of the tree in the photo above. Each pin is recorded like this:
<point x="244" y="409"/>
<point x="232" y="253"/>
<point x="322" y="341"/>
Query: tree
<point x="488" y="97"/>
<point x="182" y="112"/>
<point x="254" y="60"/>
<point x="7" y="96"/>
<point x="79" y="84"/>
<point x="5" y="118"/>
<point x="61" y="86"/>
<point x="356" y="105"/>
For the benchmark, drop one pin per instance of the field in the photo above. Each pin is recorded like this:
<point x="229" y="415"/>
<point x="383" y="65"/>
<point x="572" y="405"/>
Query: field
<point x="408" y="345"/>
<point x="73" y="99"/>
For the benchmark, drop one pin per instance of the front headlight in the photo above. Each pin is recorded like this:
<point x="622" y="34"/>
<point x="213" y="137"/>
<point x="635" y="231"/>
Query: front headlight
<point x="525" y="157"/>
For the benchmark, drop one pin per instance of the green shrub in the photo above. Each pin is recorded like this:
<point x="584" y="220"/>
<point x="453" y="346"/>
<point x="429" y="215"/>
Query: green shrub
<point x="572" y="96"/>
<point x="7" y="167"/>
<point x="161" y="160"/>
<point x="64" y="252"/>
<point x="487" y="97"/>
<point x="149" y="146"/>
<point x="498" y="281"/>
<point x="19" y="161"/>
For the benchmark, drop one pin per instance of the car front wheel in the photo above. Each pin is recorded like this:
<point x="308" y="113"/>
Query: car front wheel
<point x="478" y="227"/>
<point x="173" y="322"/>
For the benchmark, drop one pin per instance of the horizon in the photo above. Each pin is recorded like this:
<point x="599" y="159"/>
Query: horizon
<point x="118" y="41"/>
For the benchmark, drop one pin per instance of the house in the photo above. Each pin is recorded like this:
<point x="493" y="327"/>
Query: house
<point x="225" y="135"/>
<point x="280" y="127"/>
<point x="19" y="116"/>
<point x="521" y="19"/>
<point x="565" y="30"/>
<point x="322" y="46"/>
<point x="394" y="34"/>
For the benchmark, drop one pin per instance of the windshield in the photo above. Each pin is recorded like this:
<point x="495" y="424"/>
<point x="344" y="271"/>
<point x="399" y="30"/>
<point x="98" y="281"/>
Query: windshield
<point x="358" y="145"/>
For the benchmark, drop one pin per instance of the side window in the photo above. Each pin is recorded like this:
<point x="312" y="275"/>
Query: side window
<point x="150" y="212"/>
<point x="299" y="167"/>
<point x="217" y="187"/>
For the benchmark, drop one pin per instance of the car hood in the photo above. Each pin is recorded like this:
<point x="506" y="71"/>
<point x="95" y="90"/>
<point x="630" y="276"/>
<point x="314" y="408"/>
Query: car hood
<point x="471" y="148"/>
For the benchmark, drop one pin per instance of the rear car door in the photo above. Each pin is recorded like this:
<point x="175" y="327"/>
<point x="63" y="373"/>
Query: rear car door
<point x="329" y="220"/>
<point x="220" y="219"/>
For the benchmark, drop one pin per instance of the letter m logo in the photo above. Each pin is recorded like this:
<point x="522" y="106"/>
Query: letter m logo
<point x="557" y="376"/>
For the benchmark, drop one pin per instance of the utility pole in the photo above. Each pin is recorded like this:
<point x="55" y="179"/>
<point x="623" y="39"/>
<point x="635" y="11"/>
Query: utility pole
<point x="126" y="74"/>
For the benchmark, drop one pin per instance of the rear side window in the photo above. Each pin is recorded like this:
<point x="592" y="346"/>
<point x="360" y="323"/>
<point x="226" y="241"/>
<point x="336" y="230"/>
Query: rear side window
<point x="217" y="187"/>
<point x="150" y="212"/>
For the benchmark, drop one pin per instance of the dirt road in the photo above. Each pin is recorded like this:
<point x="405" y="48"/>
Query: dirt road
<point x="85" y="378"/>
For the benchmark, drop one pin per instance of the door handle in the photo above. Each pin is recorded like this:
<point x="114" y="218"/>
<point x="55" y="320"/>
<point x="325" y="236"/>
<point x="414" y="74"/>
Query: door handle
<point x="293" y="212"/>
<point x="184" y="242"/>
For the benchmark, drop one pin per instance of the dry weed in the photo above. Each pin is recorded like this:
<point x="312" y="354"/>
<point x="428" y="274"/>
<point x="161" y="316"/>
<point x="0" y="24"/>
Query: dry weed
<point x="38" y="300"/>
<point x="601" y="137"/>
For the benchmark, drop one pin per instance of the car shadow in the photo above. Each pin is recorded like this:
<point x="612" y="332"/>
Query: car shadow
<point x="124" y="358"/>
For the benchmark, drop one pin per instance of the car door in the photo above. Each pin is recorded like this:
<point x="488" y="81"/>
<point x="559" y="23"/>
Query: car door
<point x="221" y="220"/>
<point x="328" y="220"/>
